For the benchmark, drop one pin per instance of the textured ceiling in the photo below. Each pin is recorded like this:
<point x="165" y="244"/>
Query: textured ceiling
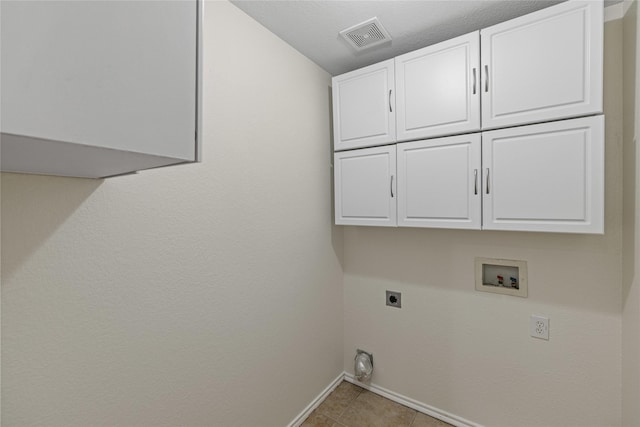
<point x="312" y="26"/>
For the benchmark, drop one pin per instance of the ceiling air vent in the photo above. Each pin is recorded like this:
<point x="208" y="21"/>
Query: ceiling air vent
<point x="366" y="34"/>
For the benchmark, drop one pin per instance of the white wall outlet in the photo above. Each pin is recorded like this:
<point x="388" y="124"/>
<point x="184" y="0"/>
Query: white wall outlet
<point x="539" y="327"/>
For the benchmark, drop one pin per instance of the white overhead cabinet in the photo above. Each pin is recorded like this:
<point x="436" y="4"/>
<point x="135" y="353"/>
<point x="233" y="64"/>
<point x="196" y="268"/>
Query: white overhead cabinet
<point x="496" y="130"/>
<point x="543" y="66"/>
<point x="439" y="182"/>
<point x="547" y="65"/>
<point x="99" y="88"/>
<point x="438" y="89"/>
<point x="365" y="186"/>
<point x="546" y="177"/>
<point x="363" y="107"/>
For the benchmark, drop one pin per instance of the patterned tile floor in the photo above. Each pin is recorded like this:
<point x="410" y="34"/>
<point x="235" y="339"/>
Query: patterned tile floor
<point x="352" y="406"/>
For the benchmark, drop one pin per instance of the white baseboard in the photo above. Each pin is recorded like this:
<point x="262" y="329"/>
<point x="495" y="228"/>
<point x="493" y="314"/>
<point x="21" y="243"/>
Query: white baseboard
<point x="316" y="402"/>
<point x="413" y="404"/>
<point x="398" y="398"/>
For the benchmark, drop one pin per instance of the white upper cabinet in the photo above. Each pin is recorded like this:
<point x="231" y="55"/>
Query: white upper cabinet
<point x="546" y="177"/>
<point x="439" y="182"/>
<point x="365" y="192"/>
<point x="543" y="66"/>
<point x="99" y="88"/>
<point x="438" y="89"/>
<point x="363" y="107"/>
<point x="500" y="129"/>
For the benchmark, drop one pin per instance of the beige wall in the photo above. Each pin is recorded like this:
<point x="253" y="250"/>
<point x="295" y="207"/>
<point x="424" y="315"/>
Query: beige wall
<point x="469" y="353"/>
<point x="631" y="264"/>
<point x="205" y="294"/>
<point x="190" y="295"/>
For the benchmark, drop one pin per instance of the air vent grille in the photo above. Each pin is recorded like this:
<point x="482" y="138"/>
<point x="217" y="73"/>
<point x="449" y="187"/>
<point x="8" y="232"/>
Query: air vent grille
<point x="366" y="34"/>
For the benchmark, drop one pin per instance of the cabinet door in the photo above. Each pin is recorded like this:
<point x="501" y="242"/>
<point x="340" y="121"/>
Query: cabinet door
<point x="547" y="177"/>
<point x="119" y="75"/>
<point x="100" y="88"/>
<point x="438" y="89"/>
<point x="365" y="191"/>
<point x="543" y="66"/>
<point x="363" y="107"/>
<point x="439" y="182"/>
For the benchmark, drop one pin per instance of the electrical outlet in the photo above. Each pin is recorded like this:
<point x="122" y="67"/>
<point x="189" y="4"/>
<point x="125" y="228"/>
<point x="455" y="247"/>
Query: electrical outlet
<point x="394" y="299"/>
<point x="539" y="327"/>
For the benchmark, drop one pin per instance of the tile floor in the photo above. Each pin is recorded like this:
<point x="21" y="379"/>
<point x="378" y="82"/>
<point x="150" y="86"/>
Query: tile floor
<point x="352" y="406"/>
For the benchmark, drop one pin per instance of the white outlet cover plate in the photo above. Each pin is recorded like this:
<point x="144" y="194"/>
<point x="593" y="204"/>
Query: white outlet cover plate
<point x="539" y="327"/>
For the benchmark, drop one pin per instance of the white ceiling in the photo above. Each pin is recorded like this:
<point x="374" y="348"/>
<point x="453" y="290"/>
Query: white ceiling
<point x="312" y="26"/>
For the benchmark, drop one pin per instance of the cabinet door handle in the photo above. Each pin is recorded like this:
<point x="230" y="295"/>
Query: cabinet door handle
<point x="475" y="179"/>
<point x="390" y="109"/>
<point x="474" y="81"/>
<point x="486" y="78"/>
<point x="391" y="186"/>
<point x="487" y="180"/>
